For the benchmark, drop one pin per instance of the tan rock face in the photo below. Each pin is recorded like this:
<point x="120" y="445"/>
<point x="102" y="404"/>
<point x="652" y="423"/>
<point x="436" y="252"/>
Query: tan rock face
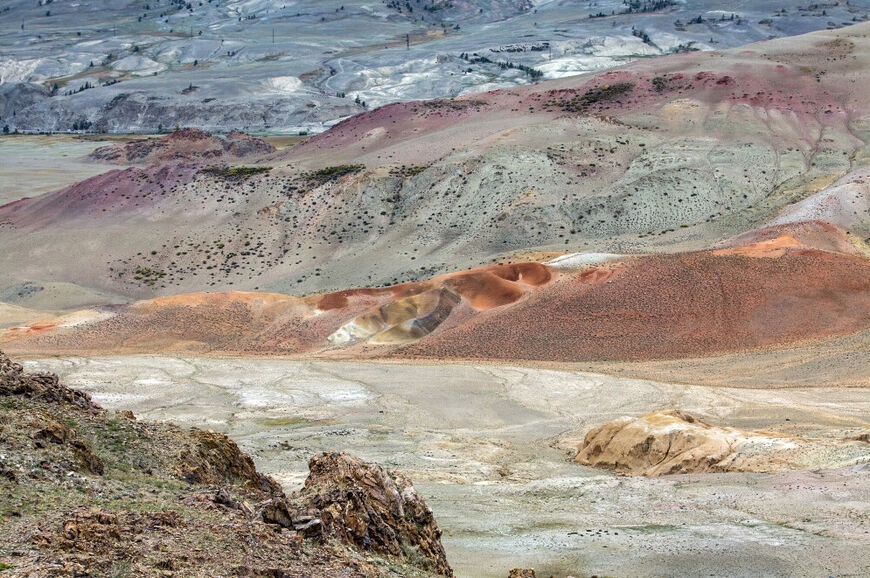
<point x="674" y="442"/>
<point x="660" y="443"/>
<point x="364" y="505"/>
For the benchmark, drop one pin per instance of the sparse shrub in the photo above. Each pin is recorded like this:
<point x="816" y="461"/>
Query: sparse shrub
<point x="235" y="173"/>
<point x="327" y="174"/>
<point x="597" y="94"/>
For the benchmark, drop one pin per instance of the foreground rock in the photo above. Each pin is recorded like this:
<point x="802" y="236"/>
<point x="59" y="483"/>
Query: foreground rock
<point x="90" y="492"/>
<point x="184" y="145"/>
<point x="674" y="442"/>
<point x="371" y="508"/>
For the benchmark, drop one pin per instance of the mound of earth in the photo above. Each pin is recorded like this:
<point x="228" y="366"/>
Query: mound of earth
<point x="845" y="203"/>
<point x="261" y="322"/>
<point x="774" y="239"/>
<point x="184" y="145"/>
<point x="668" y="306"/>
<point x="12" y="315"/>
<point x="674" y="442"/>
<point x="92" y="492"/>
<point x="773" y="291"/>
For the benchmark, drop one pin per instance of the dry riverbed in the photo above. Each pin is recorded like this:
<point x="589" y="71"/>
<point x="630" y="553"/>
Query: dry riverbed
<point x="490" y="446"/>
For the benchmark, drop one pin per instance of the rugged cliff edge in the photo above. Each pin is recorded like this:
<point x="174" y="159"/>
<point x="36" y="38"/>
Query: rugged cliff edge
<point x="88" y="492"/>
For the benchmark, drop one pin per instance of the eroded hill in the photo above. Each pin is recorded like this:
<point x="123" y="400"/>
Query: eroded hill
<point x="666" y="154"/>
<point x="780" y="285"/>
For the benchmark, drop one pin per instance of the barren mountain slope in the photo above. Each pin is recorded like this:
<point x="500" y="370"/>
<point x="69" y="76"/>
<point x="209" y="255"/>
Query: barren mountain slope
<point x="136" y="66"/>
<point x="665" y="154"/>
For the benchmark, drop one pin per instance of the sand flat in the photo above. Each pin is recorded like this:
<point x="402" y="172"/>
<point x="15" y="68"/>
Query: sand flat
<point x="490" y="447"/>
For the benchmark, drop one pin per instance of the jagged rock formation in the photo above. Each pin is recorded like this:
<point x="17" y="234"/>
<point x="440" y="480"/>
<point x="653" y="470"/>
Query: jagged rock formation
<point x="217" y="459"/>
<point x="373" y="509"/>
<point x="42" y="386"/>
<point x="184" y="145"/>
<point x="675" y="442"/>
<point x="87" y="491"/>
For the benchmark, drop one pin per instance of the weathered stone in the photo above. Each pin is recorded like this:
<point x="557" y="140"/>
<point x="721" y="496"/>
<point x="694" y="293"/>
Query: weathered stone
<point x="217" y="459"/>
<point x="367" y="506"/>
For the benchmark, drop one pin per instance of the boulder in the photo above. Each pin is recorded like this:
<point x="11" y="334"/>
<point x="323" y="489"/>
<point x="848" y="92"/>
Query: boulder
<point x="660" y="443"/>
<point x="364" y="505"/>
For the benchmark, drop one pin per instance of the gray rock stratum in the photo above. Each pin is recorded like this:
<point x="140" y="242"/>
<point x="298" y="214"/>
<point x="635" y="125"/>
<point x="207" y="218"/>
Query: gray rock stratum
<point x="136" y="66"/>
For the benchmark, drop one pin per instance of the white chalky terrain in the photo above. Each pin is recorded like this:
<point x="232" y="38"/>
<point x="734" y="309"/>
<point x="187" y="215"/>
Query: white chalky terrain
<point x="136" y="66"/>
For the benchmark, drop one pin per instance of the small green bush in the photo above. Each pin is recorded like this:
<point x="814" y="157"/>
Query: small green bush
<point x="328" y="174"/>
<point x="235" y="173"/>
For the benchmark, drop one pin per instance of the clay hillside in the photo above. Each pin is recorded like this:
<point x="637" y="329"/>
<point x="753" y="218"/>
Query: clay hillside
<point x="780" y="285"/>
<point x="681" y="206"/>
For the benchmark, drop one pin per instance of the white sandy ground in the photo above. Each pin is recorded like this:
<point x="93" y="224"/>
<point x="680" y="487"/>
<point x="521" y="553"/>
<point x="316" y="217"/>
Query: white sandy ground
<point x="489" y="447"/>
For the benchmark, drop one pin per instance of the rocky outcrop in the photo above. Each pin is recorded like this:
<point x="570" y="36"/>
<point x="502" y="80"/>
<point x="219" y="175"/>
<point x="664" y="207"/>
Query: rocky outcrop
<point x="216" y="459"/>
<point x="65" y="457"/>
<point x="189" y="145"/>
<point x="58" y="433"/>
<point x="44" y="386"/>
<point x="663" y="442"/>
<point x="364" y="505"/>
<point x="674" y="442"/>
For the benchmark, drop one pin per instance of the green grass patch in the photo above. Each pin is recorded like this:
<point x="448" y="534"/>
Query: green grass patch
<point x="327" y="174"/>
<point x="235" y="173"/>
<point x="407" y="172"/>
<point x="651" y="528"/>
<point x="284" y="421"/>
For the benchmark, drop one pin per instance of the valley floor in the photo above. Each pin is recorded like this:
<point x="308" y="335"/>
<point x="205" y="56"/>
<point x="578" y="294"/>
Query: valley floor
<point x="33" y="165"/>
<point x="490" y="448"/>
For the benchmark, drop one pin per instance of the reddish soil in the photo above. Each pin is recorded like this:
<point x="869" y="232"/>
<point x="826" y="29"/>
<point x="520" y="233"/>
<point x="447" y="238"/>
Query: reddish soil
<point x="770" y="293"/>
<point x="814" y="234"/>
<point x="669" y="306"/>
<point x="768" y="82"/>
<point x="485" y="287"/>
<point x="259" y="322"/>
<point x="93" y="199"/>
